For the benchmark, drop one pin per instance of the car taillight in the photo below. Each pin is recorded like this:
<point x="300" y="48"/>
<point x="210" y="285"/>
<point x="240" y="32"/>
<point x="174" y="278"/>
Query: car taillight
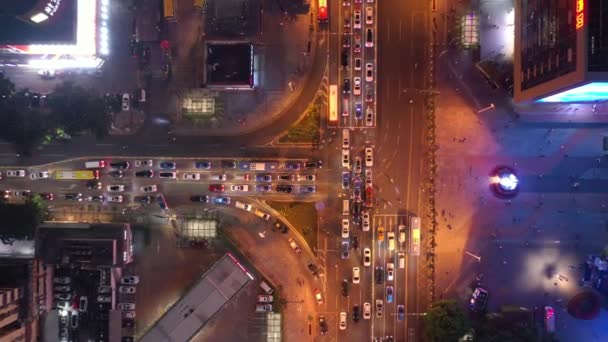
<point x="102" y="163"/>
<point x="97" y="174"/>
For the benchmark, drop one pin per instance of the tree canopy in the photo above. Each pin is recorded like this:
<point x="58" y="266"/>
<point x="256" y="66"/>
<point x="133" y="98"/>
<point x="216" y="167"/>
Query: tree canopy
<point x="445" y="321"/>
<point x="19" y="221"/>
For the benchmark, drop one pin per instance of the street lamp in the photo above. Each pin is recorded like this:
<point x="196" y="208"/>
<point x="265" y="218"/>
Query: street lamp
<point x="473" y="255"/>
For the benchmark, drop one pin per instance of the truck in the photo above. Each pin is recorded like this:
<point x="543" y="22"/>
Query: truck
<point x="263" y="166"/>
<point x="78" y="174"/>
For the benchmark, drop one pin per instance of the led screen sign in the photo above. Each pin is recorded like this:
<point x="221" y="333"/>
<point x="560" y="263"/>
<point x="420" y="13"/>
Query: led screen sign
<point x="580" y="14"/>
<point x="590" y="92"/>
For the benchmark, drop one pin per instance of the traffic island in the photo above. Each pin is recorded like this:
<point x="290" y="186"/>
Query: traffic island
<point x="305" y="131"/>
<point x="303" y="216"/>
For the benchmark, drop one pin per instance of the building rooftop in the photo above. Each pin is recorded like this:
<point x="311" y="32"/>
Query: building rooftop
<point x="229" y="63"/>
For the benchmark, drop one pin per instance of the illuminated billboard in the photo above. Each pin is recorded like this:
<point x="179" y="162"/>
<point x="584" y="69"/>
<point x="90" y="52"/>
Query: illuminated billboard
<point x="590" y="92"/>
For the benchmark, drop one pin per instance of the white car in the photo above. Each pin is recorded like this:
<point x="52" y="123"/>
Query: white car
<point x="358" y="166"/>
<point x="401" y="233"/>
<point x="15" y="173"/>
<point x="116" y="199"/>
<point x="369" y="116"/>
<point x="345" y="228"/>
<point x="367" y="310"/>
<point x="379" y="307"/>
<point x="125" y="101"/>
<point x="192" y="176"/>
<point x="144" y="163"/>
<point x="19" y="193"/>
<point x="218" y="177"/>
<point x="367" y="257"/>
<point x="304" y="178"/>
<point x="369" y="72"/>
<point x="39" y="175"/>
<point x="129" y="280"/>
<point x="346" y="159"/>
<point x="369" y="157"/>
<point x="357" y="86"/>
<point x="342" y="320"/>
<point x="129" y="314"/>
<point x="369" y="15"/>
<point x="390" y="237"/>
<point x="115" y="188"/>
<point x="357" y="21"/>
<point x="345" y="138"/>
<point x="127" y="289"/>
<point x="390" y="271"/>
<point x="239" y="187"/>
<point x="365" y="220"/>
<point x="126" y="306"/>
<point x="356" y="275"/>
<point x="149" y="188"/>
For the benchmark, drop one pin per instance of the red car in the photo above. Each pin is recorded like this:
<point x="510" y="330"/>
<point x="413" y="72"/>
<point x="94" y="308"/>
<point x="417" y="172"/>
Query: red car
<point x="46" y="196"/>
<point x="216" y="187"/>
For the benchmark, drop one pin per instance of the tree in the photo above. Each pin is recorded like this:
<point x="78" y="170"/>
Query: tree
<point x="19" y="221"/>
<point x="445" y="321"/>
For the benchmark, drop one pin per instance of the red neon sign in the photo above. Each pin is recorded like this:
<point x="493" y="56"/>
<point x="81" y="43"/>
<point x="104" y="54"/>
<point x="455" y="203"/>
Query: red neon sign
<point x="580" y="14"/>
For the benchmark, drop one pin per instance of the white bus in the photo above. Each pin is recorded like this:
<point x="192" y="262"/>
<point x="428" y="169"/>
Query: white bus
<point x="415" y="235"/>
<point x="333" y="103"/>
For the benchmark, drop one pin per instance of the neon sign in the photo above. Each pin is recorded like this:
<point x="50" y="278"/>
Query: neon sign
<point x="580" y="14"/>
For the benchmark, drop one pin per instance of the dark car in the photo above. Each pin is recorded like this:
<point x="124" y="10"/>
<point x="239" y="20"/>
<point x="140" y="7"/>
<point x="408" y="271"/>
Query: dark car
<point x="400" y="312"/>
<point x="313" y="269"/>
<point x="145" y="174"/>
<point x="127" y="339"/>
<point x="278" y="225"/>
<point x="357" y="190"/>
<point x="216" y="187"/>
<point x="293" y="165"/>
<point x="121" y="165"/>
<point x="229" y="164"/>
<point x="287" y="177"/>
<point x="93" y="185"/>
<point x="355" y="242"/>
<point x="74" y="197"/>
<point x="165" y="165"/>
<point x="345" y="180"/>
<point x="369" y="94"/>
<point x="98" y="199"/>
<point x="46" y="196"/>
<point x="344" y="288"/>
<point x="203" y="165"/>
<point x="307" y="189"/>
<point x="263" y="187"/>
<point x="346" y="86"/>
<point x="128" y="323"/>
<point x="285" y="188"/>
<point x="162" y="203"/>
<point x="356" y="208"/>
<point x="314" y="164"/>
<point x="145" y="199"/>
<point x="358" y="111"/>
<point x="344" y="59"/>
<point x="379" y="275"/>
<point x="116" y="174"/>
<point x="356" y="313"/>
<point x="479" y="300"/>
<point x="345" y="41"/>
<point x="322" y="325"/>
<point x="221" y="200"/>
<point x="263" y="178"/>
<point x="200" y="198"/>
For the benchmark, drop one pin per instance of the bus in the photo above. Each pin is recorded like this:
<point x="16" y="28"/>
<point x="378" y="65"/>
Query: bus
<point x="199" y="5"/>
<point x="415" y="235"/>
<point x="333" y="103"/>
<point x="323" y="11"/>
<point x="79" y="174"/>
<point x="169" y="10"/>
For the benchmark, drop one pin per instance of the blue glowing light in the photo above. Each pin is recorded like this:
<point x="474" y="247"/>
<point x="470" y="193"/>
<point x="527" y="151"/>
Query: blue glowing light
<point x="590" y="92"/>
<point x="508" y="181"/>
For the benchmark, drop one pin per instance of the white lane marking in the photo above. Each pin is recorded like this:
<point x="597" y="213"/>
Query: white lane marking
<point x="400" y="30"/>
<point x="52" y="155"/>
<point x="105" y="144"/>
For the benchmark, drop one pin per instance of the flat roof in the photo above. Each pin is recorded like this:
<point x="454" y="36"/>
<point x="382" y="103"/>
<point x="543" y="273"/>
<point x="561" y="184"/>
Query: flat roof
<point x="60" y="28"/>
<point x="229" y="63"/>
<point x="216" y="287"/>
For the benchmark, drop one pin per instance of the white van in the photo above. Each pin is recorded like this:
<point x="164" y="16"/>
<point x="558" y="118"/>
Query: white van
<point x="96" y="164"/>
<point x="244" y="206"/>
<point x="345" y="207"/>
<point x="401" y="260"/>
<point x="267" y="289"/>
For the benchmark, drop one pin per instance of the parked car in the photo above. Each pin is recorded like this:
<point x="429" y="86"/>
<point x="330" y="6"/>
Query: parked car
<point x="144" y="163"/>
<point x="308" y="189"/>
<point x="263" y="187"/>
<point x="239" y="187"/>
<point x="149" y="188"/>
<point x="284" y="188"/>
<point x="265" y="299"/>
<point x="121" y="165"/>
<point x="145" y="174"/>
<point x="263" y="178"/>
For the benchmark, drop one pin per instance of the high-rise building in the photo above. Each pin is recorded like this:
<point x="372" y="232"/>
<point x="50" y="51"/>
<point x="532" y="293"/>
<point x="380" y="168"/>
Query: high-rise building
<point x="561" y="51"/>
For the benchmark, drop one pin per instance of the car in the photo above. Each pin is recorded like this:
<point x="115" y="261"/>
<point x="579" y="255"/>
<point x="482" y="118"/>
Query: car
<point x="358" y="111"/>
<point x="18" y="193"/>
<point x="345" y="228"/>
<point x="357" y="86"/>
<point x="74" y="320"/>
<point x="244" y="206"/>
<point x="104" y="289"/>
<point x="369" y="72"/>
<point x="390" y="237"/>
<point x="356" y="313"/>
<point x="116" y="199"/>
<point x="104" y="299"/>
<point x="380" y="234"/>
<point x="368" y="178"/>
<point x="62" y="280"/>
<point x="549" y="319"/>
<point x="356" y="275"/>
<point x="322" y="325"/>
<point x="344" y="59"/>
<point x="389" y="294"/>
<point x="149" y="188"/>
<point x="318" y="296"/>
<point x="221" y="200"/>
<point x="128" y="314"/>
<point x="401" y="258"/>
<point x="367" y="310"/>
<point x="369" y="116"/>
<point x="216" y="188"/>
<point x="167" y="165"/>
<point x="400" y="312"/>
<point x="115" y="188"/>
<point x="367" y="257"/>
<point x="39" y="175"/>
<point x="346" y="23"/>
<point x="145" y="174"/>
<point x="171" y="175"/>
<point x="357" y="20"/>
<point x="304" y="178"/>
<point x="265" y="177"/>
<point x="295" y="166"/>
<point x="203" y="165"/>
<point x="145" y="199"/>
<point x="244" y="177"/>
<point x="345" y="138"/>
<point x="126" y="289"/>
<point x="479" y="299"/>
<point x="344" y="249"/>
<point x="379" y="307"/>
<point x="346" y="86"/>
<point x="365" y="220"/>
<point x="358" y="166"/>
<point x="192" y="176"/>
<point x="239" y="187"/>
<point x="200" y="198"/>
<point x="128" y="323"/>
<point x="390" y="271"/>
<point x="263" y="187"/>
<point x="286" y="177"/>
<point x="125" y="101"/>
<point x="93" y="185"/>
<point x="63" y="288"/>
<point x="369" y="37"/>
<point x="265" y="299"/>
<point x="228" y="164"/>
<point x="144" y="163"/>
<point x="294" y="246"/>
<point x="345" y="41"/>
<point x="15" y="173"/>
<point x="129" y="280"/>
<point x="221" y="177"/>
<point x="313" y="164"/>
<point x="358" y="63"/>
<point x="369" y="15"/>
<point x="401" y="230"/>
<point x="125" y="306"/>
<point x="120" y="165"/>
<point x="284" y="188"/>
<point x="345" y="2"/>
<point x="357" y="43"/>
<point x="47" y="196"/>
<point x="73" y="197"/>
<point x="369" y="94"/>
<point x="379" y="272"/>
<point x="342" y="320"/>
<point x="345" y="180"/>
<point x="84" y="304"/>
<point x="369" y="157"/>
<point x="63" y="296"/>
